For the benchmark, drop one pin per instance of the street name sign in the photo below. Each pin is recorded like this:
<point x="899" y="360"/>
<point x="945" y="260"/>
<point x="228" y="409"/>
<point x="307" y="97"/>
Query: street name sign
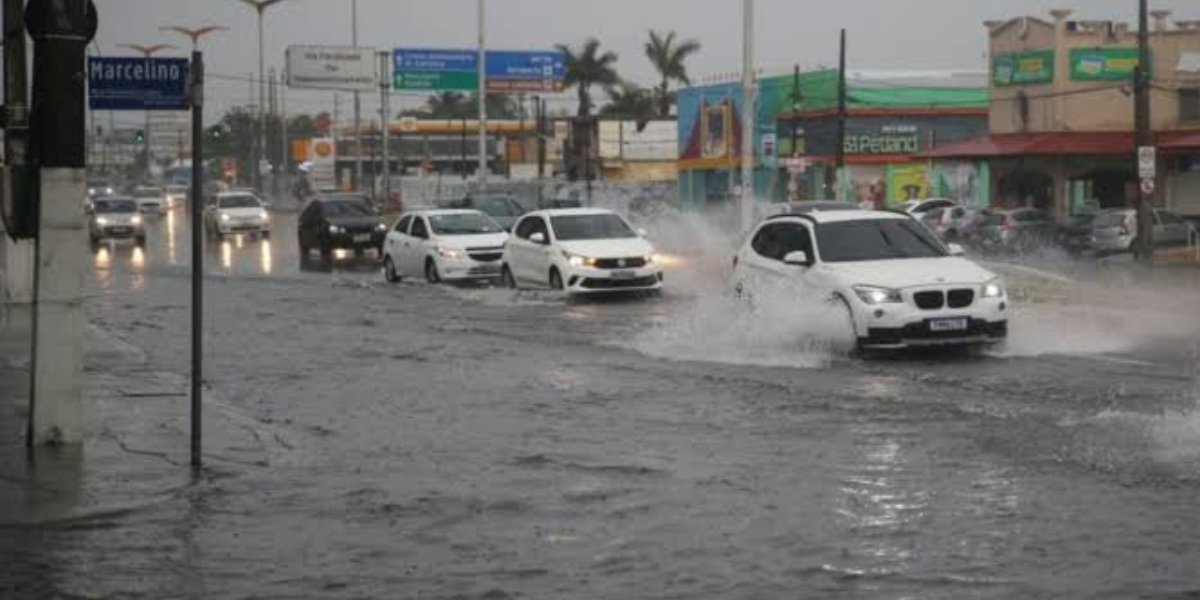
<point x="137" y="83"/>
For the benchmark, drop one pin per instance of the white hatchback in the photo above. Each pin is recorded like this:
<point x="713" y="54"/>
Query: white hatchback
<point x="580" y="251"/>
<point x="444" y="245"/>
<point x="899" y="285"/>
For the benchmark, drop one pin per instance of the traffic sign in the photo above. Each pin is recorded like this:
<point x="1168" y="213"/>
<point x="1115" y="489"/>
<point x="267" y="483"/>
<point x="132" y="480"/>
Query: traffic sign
<point x="507" y="71"/>
<point x="137" y="83"/>
<point x="1147" y="186"/>
<point x="1147" y="162"/>
<point x="535" y="71"/>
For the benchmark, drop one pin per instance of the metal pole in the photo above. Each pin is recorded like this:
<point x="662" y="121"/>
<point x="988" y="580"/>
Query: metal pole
<point x="197" y="252"/>
<point x="261" y="149"/>
<point x="358" y="147"/>
<point x="285" y="171"/>
<point x="1145" y="134"/>
<point x="272" y="104"/>
<point x="462" y="146"/>
<point x="16" y="256"/>
<point x="748" y="105"/>
<point x="482" y="66"/>
<point x="385" y="118"/>
<point x="840" y="148"/>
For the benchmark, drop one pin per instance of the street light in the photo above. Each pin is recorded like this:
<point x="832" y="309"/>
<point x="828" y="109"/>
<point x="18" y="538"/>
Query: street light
<point x="194" y="34"/>
<point x="261" y="6"/>
<point x="147" y="52"/>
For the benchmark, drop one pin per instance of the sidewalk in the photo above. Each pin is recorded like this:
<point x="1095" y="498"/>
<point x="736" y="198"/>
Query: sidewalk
<point x="136" y="447"/>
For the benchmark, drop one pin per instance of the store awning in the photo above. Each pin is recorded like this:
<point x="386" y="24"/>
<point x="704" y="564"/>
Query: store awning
<point x="1069" y="143"/>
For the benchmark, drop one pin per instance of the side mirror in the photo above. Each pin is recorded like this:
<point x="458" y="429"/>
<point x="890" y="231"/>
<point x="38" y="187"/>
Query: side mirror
<point x="798" y="258"/>
<point x="956" y="250"/>
<point x="538" y="238"/>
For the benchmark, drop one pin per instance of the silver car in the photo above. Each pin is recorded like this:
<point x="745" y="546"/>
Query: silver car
<point x="1115" y="231"/>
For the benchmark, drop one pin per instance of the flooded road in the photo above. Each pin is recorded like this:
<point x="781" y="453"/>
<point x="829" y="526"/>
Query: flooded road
<point x="484" y="443"/>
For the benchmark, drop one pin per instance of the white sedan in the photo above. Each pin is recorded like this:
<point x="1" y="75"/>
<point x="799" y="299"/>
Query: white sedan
<point x="895" y="282"/>
<point x="443" y="245"/>
<point x="580" y="251"/>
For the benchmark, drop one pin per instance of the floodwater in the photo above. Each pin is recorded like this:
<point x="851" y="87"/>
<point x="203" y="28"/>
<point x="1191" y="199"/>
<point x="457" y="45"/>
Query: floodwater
<point x="474" y="442"/>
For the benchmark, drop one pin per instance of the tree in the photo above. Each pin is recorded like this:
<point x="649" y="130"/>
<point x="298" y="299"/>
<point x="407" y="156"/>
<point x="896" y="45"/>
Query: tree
<point x="629" y="101"/>
<point x="447" y="105"/>
<point x="668" y="59"/>
<point x="588" y="67"/>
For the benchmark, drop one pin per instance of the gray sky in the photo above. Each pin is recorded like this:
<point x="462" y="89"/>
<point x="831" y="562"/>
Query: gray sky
<point x="892" y="34"/>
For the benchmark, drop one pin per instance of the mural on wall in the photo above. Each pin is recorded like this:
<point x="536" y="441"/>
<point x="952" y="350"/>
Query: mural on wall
<point x="907" y="181"/>
<point x="710" y="128"/>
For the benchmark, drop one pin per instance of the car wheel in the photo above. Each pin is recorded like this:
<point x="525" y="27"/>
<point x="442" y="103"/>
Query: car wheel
<point x="510" y="282"/>
<point x="853" y="345"/>
<point x="389" y="270"/>
<point x="431" y="272"/>
<point x="556" y="281"/>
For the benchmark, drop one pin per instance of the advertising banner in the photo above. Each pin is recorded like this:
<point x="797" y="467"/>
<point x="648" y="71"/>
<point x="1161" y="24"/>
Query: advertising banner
<point x="1104" y="64"/>
<point x="907" y="181"/>
<point x="1023" y="68"/>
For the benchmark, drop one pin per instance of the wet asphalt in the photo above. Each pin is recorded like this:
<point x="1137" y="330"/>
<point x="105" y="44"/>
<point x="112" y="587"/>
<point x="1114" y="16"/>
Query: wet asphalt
<point x="476" y="442"/>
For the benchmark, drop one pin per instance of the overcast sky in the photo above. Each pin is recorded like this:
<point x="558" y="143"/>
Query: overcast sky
<point x="890" y="34"/>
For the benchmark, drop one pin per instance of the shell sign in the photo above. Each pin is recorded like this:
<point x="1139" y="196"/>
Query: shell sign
<point x="323" y="149"/>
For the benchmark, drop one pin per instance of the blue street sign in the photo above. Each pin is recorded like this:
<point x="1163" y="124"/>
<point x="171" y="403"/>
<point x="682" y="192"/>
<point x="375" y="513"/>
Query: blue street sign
<point x="137" y="83"/>
<point x="507" y="71"/>
<point x="526" y="71"/>
<point x="427" y="59"/>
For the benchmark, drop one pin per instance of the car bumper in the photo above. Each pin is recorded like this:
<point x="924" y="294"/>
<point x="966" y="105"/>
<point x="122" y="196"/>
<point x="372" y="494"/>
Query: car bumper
<point x="118" y="232"/>
<point x="467" y="269"/>
<point x="905" y="326"/>
<point x="1112" y="245"/>
<point x="246" y="227"/>
<point x="602" y="281"/>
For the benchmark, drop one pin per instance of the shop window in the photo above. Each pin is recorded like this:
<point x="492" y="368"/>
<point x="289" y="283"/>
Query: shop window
<point x="1189" y="104"/>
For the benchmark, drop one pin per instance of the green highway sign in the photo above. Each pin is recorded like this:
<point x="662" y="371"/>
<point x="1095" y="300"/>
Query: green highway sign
<point x="433" y="80"/>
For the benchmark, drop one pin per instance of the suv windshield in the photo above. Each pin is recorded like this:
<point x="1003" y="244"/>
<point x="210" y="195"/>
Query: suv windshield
<point x="238" y="202"/>
<point x="496" y="207"/>
<point x="462" y="224"/>
<point x="349" y="208"/>
<point x="876" y="239"/>
<point x="591" y="227"/>
<point x="116" y="206"/>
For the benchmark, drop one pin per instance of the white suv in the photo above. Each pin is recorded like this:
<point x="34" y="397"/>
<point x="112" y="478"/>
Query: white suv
<point x="580" y="251"/>
<point x="898" y="284"/>
<point x="442" y="245"/>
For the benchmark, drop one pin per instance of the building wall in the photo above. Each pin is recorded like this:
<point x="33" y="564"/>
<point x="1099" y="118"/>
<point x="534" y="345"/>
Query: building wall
<point x="1069" y="104"/>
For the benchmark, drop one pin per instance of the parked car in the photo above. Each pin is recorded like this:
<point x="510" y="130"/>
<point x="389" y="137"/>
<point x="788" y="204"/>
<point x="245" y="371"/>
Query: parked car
<point x="444" y="245"/>
<point x="149" y="199"/>
<point x="954" y="224"/>
<point x="898" y="284"/>
<point x="232" y="213"/>
<point x="922" y="206"/>
<point x="116" y="218"/>
<point x="579" y="251"/>
<point x="1115" y="231"/>
<point x="1075" y="233"/>
<point x="1015" y="230"/>
<point x="502" y="208"/>
<point x="340" y="222"/>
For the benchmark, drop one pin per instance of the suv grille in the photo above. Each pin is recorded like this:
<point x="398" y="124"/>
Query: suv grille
<point x="929" y="300"/>
<point x="960" y="298"/>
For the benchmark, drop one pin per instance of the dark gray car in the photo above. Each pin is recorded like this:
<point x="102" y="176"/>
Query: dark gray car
<point x="502" y="208"/>
<point x="1015" y="230"/>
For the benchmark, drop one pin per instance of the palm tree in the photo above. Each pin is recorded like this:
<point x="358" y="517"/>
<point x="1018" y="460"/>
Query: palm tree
<point x="668" y="59"/>
<point x="589" y="67"/>
<point x="629" y="101"/>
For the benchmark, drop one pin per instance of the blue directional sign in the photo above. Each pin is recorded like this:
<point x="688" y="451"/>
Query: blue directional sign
<point x="507" y="71"/>
<point x="137" y="83"/>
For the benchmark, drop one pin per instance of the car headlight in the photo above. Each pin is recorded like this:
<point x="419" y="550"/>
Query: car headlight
<point x="135" y="220"/>
<point x="993" y="289"/>
<point x="262" y="214"/>
<point x="335" y="229"/>
<point x="450" y="253"/>
<point x="381" y="227"/>
<point x="225" y="217"/>
<point x="579" y="261"/>
<point x="101" y="221"/>
<point x="877" y="295"/>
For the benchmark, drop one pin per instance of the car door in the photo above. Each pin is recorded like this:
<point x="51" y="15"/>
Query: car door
<point x="1171" y="229"/>
<point x="530" y="258"/>
<point x="307" y="227"/>
<point x="518" y="247"/>
<point x="766" y="270"/>
<point x="394" y="243"/>
<point x="413" y="251"/>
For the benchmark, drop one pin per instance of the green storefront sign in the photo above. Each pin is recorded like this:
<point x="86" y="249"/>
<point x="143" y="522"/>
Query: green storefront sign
<point x="1103" y="64"/>
<point x="1023" y="68"/>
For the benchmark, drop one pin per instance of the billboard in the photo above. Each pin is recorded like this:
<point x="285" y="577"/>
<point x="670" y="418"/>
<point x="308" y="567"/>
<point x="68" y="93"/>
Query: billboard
<point x="331" y="68"/>
<point x="137" y="83"/>
<point x="1023" y="68"/>
<point x="1104" y="64"/>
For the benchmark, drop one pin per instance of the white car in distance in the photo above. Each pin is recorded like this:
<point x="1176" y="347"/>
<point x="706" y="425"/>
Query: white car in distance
<point x="443" y="245"/>
<point x="233" y="213"/>
<point x="580" y="251"/>
<point x="893" y="280"/>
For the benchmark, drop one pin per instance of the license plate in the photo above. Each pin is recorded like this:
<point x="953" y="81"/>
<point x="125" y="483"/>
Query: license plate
<point x="940" y="325"/>
<point x="119" y="230"/>
<point x="365" y="237"/>
<point x="623" y="274"/>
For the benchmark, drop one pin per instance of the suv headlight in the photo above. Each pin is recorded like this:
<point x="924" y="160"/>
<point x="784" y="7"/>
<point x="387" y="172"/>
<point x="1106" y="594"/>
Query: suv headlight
<point x="993" y="289"/>
<point x="877" y="295"/>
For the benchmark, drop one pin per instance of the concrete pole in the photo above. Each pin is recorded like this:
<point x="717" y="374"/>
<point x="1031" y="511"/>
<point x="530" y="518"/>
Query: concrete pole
<point x="385" y="118"/>
<point x="16" y="257"/>
<point x="358" y="147"/>
<point x="483" y="123"/>
<point x="748" y="125"/>
<point x="261" y="149"/>
<point x="61" y="34"/>
<point x="286" y="151"/>
<point x="1145" y="135"/>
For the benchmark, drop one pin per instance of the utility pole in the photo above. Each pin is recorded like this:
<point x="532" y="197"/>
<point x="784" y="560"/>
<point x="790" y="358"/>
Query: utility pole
<point x="385" y="117"/>
<point x="197" y="193"/>
<point x="748" y="125"/>
<point x="285" y="152"/>
<point x="17" y="255"/>
<point x="795" y="111"/>
<point x="840" y="149"/>
<point x="358" y="145"/>
<point x="272" y="104"/>
<point x="539" y="109"/>
<point x="483" y="154"/>
<point x="61" y="32"/>
<point x="260" y="7"/>
<point x="1145" y="136"/>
